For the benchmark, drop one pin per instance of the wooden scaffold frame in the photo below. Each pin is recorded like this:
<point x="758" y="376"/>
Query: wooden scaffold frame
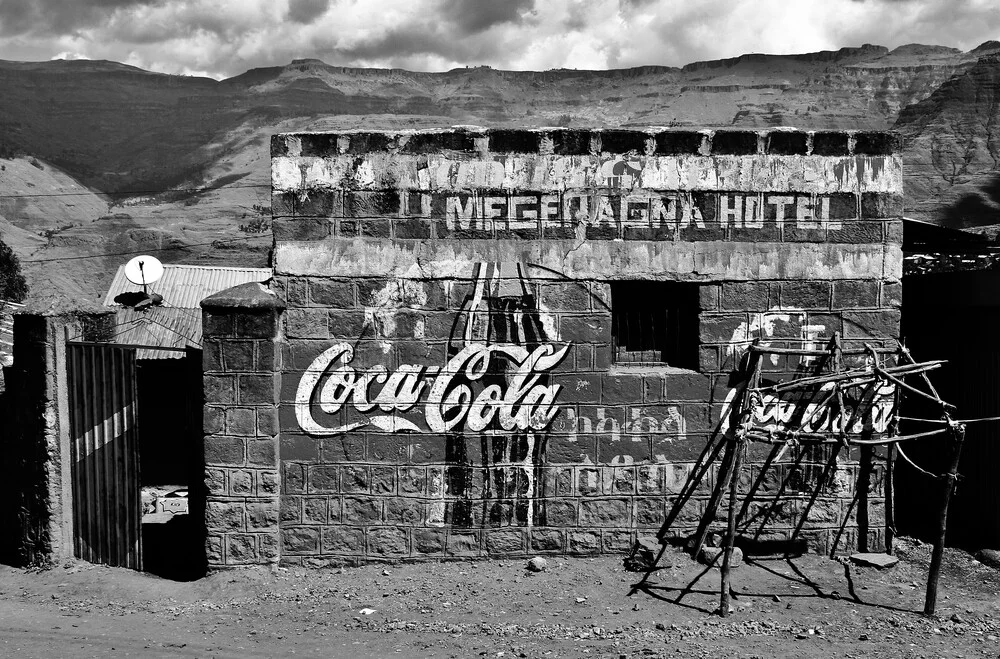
<point x="740" y="425"/>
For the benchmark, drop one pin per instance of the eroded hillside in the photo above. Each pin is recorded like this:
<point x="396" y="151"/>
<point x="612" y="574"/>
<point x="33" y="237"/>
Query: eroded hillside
<point x="134" y="160"/>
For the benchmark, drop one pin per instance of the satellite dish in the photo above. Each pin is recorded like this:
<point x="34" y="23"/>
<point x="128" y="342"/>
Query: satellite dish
<point x="143" y="270"/>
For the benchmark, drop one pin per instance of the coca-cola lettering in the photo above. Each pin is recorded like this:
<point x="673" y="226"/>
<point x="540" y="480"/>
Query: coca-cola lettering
<point x="521" y="403"/>
<point x="774" y="413"/>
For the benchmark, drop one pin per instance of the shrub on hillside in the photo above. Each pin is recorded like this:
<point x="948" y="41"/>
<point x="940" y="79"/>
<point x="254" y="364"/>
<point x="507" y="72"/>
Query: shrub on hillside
<point x="13" y="286"/>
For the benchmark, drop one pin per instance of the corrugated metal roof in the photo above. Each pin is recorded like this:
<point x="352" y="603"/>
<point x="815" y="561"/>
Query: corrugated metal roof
<point x="7" y="310"/>
<point x="185" y="286"/>
<point x="176" y="324"/>
<point x="159" y="326"/>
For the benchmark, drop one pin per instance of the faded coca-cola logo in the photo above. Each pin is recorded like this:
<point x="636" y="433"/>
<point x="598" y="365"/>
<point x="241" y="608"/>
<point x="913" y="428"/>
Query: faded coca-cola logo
<point x="873" y="412"/>
<point x="521" y="402"/>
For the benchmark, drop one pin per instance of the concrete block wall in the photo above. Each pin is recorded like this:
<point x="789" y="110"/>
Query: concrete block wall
<point x="35" y="445"/>
<point x="242" y="481"/>
<point x="403" y="258"/>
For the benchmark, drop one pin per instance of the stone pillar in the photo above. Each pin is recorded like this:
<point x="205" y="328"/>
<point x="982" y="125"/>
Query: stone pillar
<point x="35" y="438"/>
<point x="241" y="384"/>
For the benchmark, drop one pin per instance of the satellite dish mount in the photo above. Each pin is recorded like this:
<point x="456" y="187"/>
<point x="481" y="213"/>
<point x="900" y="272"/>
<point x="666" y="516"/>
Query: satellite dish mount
<point x="143" y="271"/>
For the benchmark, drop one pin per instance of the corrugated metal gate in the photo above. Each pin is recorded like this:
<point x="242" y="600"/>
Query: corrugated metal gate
<point x="105" y="459"/>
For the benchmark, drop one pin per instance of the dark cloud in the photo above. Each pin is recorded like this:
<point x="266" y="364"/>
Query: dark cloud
<point x="401" y="42"/>
<point x="225" y="38"/>
<point x="58" y="16"/>
<point x="473" y="16"/>
<point x="306" y="11"/>
<point x="402" y="46"/>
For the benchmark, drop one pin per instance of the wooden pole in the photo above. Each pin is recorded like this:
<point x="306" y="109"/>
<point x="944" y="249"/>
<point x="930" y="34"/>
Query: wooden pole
<point x="725" y="471"/>
<point x="864" y="483"/>
<point x="734" y="483"/>
<point x="890" y="495"/>
<point x="890" y="470"/>
<point x="698" y="473"/>
<point x="860" y="376"/>
<point x="739" y="442"/>
<point x="781" y="436"/>
<point x="957" y="436"/>
<point x="933" y="398"/>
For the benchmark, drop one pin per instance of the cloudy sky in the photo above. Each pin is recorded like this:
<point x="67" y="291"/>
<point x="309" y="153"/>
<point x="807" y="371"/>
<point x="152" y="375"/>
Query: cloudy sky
<point x="222" y="38"/>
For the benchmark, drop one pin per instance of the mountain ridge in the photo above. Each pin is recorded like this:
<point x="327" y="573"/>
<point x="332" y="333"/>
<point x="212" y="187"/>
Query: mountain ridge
<point x="182" y="161"/>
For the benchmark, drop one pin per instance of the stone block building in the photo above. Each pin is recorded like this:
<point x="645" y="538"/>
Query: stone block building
<point x="507" y="342"/>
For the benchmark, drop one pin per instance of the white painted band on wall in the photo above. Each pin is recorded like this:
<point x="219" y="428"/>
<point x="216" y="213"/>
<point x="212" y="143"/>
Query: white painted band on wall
<point x="549" y="173"/>
<point x="592" y="259"/>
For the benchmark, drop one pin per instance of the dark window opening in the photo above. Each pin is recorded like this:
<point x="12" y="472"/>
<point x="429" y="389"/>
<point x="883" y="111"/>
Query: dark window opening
<point x="655" y="323"/>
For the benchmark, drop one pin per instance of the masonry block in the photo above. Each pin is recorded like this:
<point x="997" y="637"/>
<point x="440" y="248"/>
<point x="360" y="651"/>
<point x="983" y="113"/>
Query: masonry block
<point x="307" y="324"/>
<point x="268" y="483"/>
<point x="617" y="541"/>
<point x="324" y="479"/>
<point x="804" y="295"/>
<point x="463" y="544"/>
<point x="428" y="541"/>
<point x="294" y="478"/>
<point x="241" y="482"/>
<point x="649" y="512"/>
<point x="238" y="355"/>
<point x="745" y="296"/>
<point x="882" y="324"/>
<point x="256" y="389"/>
<point x="362" y="510"/>
<point x="262" y="515"/>
<point x="331" y="293"/>
<point x="343" y="540"/>
<point x="355" y="478"/>
<point x="604" y="512"/>
<point x="389" y="542"/>
<point x="850" y="294"/>
<point x="548" y="540"/>
<point x="213" y="419"/>
<point x="300" y="540"/>
<point x="506" y="542"/>
<point x="211" y="356"/>
<point x="219" y="389"/>
<point x="222" y="450"/>
<point x="405" y="511"/>
<point x="315" y="510"/>
<point x="720" y="328"/>
<point x="215" y="482"/>
<point x="223" y="516"/>
<point x="616" y="389"/>
<point x="269" y="549"/>
<point x="584" y="542"/>
<point x="241" y="548"/>
<point x="214" y="549"/>
<point x="290" y="509"/>
<point x="240" y="421"/>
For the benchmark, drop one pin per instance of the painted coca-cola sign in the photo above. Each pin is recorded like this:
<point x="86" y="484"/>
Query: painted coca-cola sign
<point x="454" y="394"/>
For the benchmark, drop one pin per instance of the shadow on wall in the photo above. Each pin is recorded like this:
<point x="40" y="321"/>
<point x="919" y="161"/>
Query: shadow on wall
<point x="974" y="209"/>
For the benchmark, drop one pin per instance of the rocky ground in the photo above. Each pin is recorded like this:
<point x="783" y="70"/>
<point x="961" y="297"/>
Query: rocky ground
<point x="577" y="607"/>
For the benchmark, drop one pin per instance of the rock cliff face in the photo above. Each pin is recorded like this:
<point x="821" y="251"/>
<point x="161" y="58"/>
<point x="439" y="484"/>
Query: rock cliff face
<point x="122" y="129"/>
<point x="128" y="135"/>
<point x="952" y="151"/>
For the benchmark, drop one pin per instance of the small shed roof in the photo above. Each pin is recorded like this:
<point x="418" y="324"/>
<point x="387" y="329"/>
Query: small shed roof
<point x="177" y="323"/>
<point x="185" y="286"/>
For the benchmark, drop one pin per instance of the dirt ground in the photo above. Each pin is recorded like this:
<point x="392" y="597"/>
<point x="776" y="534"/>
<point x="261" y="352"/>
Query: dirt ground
<point x="578" y="607"/>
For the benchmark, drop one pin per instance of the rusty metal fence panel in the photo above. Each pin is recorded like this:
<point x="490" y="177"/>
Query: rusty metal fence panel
<point x="105" y="458"/>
